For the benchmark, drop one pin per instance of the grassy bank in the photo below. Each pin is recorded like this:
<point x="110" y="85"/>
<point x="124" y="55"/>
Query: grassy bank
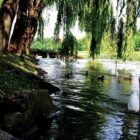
<point x="18" y="74"/>
<point x="103" y="55"/>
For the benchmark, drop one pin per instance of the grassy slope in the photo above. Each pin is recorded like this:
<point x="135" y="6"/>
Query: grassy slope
<point x="18" y="75"/>
<point x="103" y="55"/>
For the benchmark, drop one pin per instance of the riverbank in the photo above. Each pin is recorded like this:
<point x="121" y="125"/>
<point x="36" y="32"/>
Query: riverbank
<point x="24" y="96"/>
<point x="18" y="73"/>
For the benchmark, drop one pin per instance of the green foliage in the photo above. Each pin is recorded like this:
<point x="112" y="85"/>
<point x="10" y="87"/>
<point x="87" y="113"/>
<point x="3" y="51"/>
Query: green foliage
<point x="36" y="45"/>
<point x="69" y="45"/>
<point x="95" y="17"/>
<point x="1" y="3"/>
<point x="108" y="46"/>
<point x="129" y="31"/>
<point x="66" y="14"/>
<point x="84" y="43"/>
<point x="129" y="46"/>
<point x="15" y="75"/>
<point x="137" y="41"/>
<point x="49" y="44"/>
<point x="112" y="28"/>
<point x="136" y="56"/>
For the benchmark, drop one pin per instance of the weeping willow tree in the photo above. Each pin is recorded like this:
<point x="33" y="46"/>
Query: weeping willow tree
<point x="127" y="28"/>
<point x="66" y="18"/>
<point x="130" y="29"/>
<point x="69" y="45"/>
<point x="95" y="18"/>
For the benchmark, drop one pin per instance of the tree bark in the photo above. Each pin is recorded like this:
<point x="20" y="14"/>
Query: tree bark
<point x="26" y="25"/>
<point x="7" y="15"/>
<point x="1" y="33"/>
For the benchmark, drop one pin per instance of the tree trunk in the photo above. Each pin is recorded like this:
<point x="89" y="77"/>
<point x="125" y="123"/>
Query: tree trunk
<point x="120" y="38"/>
<point x="1" y="33"/>
<point x="26" y="25"/>
<point x="27" y="36"/>
<point x="19" y="26"/>
<point x="93" y="47"/>
<point x="7" y="15"/>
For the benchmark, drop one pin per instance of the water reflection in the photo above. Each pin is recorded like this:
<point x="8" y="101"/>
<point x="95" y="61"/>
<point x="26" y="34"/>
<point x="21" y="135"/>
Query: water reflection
<point x="91" y="108"/>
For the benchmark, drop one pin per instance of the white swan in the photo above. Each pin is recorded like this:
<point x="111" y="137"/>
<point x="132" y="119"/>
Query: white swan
<point x="133" y="103"/>
<point x="114" y="72"/>
<point x="62" y="63"/>
<point x="38" y="57"/>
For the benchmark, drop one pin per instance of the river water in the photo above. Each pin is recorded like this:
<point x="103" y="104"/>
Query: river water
<point x="91" y="108"/>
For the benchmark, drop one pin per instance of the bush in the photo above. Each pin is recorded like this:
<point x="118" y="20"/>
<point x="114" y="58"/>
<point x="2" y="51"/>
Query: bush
<point x="48" y="44"/>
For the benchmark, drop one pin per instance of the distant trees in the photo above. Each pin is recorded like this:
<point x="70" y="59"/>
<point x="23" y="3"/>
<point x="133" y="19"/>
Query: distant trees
<point x="49" y="44"/>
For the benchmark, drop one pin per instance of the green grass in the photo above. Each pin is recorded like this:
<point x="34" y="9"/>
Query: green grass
<point x="16" y="75"/>
<point x="135" y="57"/>
<point x="14" y="60"/>
<point x="83" y="54"/>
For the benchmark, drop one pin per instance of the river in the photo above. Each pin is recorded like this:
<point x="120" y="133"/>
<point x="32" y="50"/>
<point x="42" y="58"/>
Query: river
<point x="91" y="108"/>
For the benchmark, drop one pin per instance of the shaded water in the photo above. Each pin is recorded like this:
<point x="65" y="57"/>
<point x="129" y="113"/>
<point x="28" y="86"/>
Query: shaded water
<point x="91" y="109"/>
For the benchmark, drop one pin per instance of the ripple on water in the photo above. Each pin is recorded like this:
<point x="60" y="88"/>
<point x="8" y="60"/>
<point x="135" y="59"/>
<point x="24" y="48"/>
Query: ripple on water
<point x="91" y="109"/>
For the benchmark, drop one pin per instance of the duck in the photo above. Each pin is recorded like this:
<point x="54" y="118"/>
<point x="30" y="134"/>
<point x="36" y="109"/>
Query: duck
<point x="64" y="94"/>
<point x="62" y="63"/>
<point x="101" y="77"/>
<point x="68" y="75"/>
<point x="114" y="72"/>
<point x="38" y="57"/>
<point x="133" y="103"/>
<point x="86" y="73"/>
<point x="129" y="78"/>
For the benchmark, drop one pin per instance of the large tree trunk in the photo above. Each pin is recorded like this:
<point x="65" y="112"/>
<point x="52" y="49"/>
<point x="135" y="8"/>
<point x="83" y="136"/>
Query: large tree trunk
<point x="26" y="25"/>
<point x="7" y="15"/>
<point x="19" y="26"/>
